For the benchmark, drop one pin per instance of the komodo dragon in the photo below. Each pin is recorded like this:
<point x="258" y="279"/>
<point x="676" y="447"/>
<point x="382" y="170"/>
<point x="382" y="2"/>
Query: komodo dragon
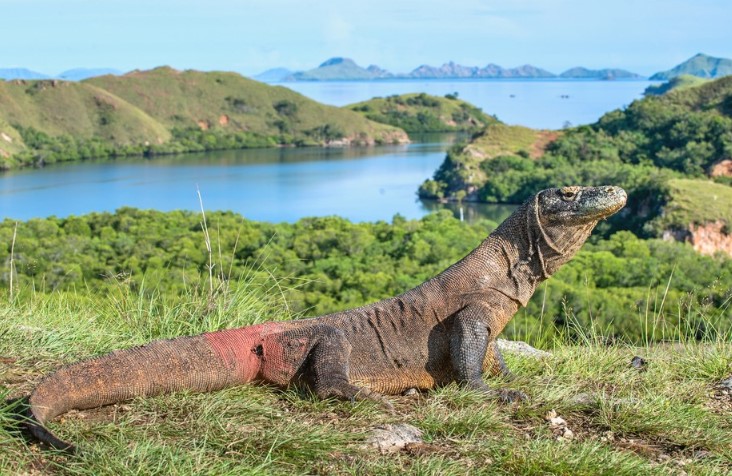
<point x="442" y="331"/>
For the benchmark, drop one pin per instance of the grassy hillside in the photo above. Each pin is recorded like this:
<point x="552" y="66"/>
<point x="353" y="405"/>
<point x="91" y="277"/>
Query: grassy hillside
<point x="464" y="172"/>
<point x="696" y="202"/>
<point x="61" y="107"/>
<point x="230" y="102"/>
<point x="84" y="112"/>
<point x="424" y="113"/>
<point x="11" y="142"/>
<point x="163" y="111"/>
<point x="669" y="417"/>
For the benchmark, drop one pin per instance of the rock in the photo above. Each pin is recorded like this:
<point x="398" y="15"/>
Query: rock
<point x="725" y="384"/>
<point x="638" y="363"/>
<point x="723" y="168"/>
<point x="558" y="426"/>
<point x="585" y="399"/>
<point x="392" y="438"/>
<point x="411" y="392"/>
<point x="521" y="348"/>
<point x="707" y="238"/>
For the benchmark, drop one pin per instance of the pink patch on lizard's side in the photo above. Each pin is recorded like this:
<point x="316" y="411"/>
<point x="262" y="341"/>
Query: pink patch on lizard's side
<point x="241" y="349"/>
<point x="284" y="353"/>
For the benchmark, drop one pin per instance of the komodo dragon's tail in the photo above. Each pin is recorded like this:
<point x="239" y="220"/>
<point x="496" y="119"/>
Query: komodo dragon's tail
<point x="202" y="363"/>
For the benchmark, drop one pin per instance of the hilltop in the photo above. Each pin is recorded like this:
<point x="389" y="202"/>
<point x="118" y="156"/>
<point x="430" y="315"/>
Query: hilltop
<point x="164" y="111"/>
<point x="700" y="65"/>
<point x="424" y="113"/>
<point x="80" y="74"/>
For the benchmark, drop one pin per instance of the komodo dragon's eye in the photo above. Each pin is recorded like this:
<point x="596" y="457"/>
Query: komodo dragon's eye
<point x="569" y="194"/>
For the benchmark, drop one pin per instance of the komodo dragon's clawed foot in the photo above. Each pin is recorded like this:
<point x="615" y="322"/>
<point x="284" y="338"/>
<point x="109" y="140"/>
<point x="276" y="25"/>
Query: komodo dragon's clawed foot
<point x="354" y="393"/>
<point x="509" y="395"/>
<point x="366" y="394"/>
<point x="503" y="395"/>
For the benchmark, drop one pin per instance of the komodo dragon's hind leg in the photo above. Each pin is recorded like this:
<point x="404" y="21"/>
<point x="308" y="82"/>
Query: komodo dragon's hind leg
<point x="326" y="370"/>
<point x="471" y="346"/>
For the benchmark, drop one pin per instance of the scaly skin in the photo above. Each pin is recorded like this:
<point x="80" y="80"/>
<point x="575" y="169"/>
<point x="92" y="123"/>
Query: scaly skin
<point x="442" y="331"/>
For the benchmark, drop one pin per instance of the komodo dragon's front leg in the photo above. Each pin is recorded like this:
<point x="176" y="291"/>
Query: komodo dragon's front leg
<point x="472" y="348"/>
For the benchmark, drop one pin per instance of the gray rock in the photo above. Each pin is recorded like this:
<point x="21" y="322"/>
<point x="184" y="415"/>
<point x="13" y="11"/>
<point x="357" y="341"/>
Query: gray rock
<point x="584" y="399"/>
<point x="638" y="363"/>
<point x="521" y="348"/>
<point x="392" y="438"/>
<point x="725" y="384"/>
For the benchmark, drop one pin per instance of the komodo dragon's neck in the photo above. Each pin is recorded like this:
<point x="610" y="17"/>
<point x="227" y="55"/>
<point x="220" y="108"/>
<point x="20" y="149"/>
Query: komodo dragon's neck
<point x="513" y="260"/>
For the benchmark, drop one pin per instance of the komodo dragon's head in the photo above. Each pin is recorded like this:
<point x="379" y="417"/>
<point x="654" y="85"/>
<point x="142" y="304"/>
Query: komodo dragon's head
<point x="577" y="206"/>
<point x="544" y="233"/>
<point x="561" y="219"/>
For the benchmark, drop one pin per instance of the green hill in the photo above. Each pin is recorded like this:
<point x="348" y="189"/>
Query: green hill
<point x="229" y="101"/>
<point x="699" y="65"/>
<point x="166" y="111"/>
<point x="424" y="113"/>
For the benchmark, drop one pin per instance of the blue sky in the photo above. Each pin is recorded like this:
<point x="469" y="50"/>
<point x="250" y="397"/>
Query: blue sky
<point x="250" y="36"/>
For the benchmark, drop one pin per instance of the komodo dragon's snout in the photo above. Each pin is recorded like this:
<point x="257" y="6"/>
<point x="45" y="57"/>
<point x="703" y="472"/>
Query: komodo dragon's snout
<point x="442" y="331"/>
<point x="571" y="206"/>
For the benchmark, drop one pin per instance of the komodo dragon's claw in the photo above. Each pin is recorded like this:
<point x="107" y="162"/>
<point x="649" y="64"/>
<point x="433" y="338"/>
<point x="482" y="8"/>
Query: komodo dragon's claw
<point x="508" y="395"/>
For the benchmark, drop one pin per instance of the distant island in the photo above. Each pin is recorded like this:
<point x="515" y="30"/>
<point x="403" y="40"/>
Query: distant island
<point x="75" y="74"/>
<point x="700" y="65"/>
<point x="20" y="73"/>
<point x="346" y="69"/>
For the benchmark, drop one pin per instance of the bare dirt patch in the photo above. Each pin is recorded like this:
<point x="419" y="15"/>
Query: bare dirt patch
<point x="543" y="139"/>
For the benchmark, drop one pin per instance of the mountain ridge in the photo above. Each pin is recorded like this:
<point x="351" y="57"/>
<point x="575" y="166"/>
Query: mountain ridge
<point x="346" y="69"/>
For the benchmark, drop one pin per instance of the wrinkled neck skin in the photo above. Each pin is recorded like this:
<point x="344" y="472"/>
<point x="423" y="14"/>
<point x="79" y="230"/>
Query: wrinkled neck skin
<point x="532" y="249"/>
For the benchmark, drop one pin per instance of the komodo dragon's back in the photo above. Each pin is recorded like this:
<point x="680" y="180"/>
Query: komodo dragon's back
<point x="442" y="331"/>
